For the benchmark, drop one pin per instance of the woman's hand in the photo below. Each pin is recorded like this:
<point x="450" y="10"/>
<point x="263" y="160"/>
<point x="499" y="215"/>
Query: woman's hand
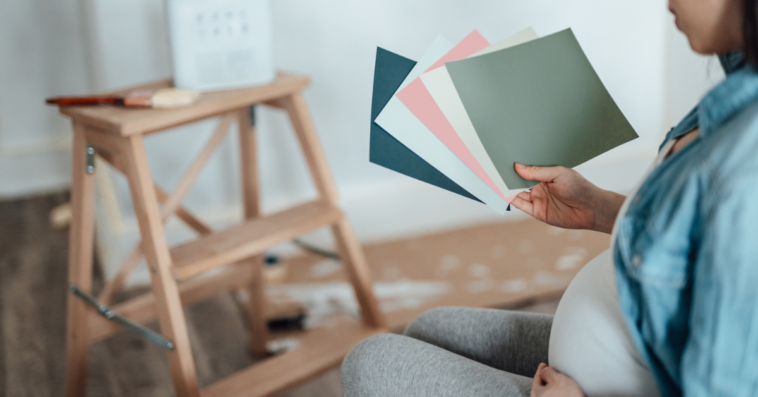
<point x="548" y="382"/>
<point x="565" y="199"/>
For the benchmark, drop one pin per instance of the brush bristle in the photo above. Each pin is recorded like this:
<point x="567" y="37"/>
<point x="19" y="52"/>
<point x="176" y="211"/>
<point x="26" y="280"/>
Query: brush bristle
<point x="167" y="98"/>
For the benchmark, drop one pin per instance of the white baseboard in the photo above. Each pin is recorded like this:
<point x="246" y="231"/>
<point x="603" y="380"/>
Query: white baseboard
<point x="377" y="212"/>
<point x="34" y="173"/>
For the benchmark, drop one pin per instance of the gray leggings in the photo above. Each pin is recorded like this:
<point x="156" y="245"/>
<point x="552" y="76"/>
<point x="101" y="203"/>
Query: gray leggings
<point x="451" y="351"/>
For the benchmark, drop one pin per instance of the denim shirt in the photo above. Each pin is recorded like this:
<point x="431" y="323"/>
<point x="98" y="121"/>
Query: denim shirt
<point x="686" y="250"/>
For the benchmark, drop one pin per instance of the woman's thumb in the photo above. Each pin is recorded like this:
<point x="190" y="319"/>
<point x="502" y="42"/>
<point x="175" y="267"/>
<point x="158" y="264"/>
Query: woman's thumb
<point x="534" y="173"/>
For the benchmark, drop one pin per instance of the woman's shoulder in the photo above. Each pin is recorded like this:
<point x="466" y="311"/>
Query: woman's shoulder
<point x="730" y="151"/>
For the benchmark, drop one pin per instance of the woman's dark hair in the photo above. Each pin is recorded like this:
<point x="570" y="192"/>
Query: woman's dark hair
<point x="750" y="31"/>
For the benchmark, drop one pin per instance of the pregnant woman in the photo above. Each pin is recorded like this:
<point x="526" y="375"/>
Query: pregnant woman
<point x="671" y="309"/>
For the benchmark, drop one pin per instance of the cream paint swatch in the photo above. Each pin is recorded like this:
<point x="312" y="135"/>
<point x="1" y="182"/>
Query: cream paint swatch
<point x="440" y="86"/>
<point x="402" y="124"/>
<point x="521" y="37"/>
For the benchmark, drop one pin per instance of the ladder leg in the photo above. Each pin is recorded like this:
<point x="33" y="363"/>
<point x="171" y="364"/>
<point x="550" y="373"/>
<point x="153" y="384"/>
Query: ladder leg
<point x="167" y="302"/>
<point x="79" y="264"/>
<point x="350" y="251"/>
<point x="357" y="270"/>
<point x="314" y="156"/>
<point x="256" y="291"/>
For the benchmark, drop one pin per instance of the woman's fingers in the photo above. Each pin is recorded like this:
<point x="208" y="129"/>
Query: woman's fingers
<point x="534" y="173"/>
<point x="536" y="385"/>
<point x="524" y="204"/>
<point x="548" y="375"/>
<point x="537" y="381"/>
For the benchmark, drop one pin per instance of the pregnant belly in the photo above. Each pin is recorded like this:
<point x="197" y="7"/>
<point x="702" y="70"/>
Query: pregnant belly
<point x="590" y="341"/>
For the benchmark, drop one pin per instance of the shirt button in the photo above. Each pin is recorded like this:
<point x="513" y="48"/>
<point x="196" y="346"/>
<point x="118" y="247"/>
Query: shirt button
<point x="636" y="260"/>
<point x="637" y="199"/>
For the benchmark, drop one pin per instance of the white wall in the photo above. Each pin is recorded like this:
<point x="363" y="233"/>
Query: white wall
<point x="334" y="42"/>
<point x="42" y="53"/>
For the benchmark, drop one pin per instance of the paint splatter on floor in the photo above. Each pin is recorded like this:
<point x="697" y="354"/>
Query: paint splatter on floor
<point x="498" y="265"/>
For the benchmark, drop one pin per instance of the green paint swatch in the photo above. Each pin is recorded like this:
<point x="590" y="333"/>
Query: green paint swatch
<point x="539" y="103"/>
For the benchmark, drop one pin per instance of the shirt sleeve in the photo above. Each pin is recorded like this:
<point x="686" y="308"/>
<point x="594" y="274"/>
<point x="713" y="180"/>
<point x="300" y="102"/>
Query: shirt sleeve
<point x="720" y="355"/>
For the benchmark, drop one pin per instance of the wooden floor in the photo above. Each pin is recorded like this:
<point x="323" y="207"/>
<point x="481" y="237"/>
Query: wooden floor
<point x="33" y="261"/>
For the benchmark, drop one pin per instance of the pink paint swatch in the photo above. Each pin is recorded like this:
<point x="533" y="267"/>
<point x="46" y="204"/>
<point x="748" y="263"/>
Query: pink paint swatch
<point x="419" y="101"/>
<point x="470" y="45"/>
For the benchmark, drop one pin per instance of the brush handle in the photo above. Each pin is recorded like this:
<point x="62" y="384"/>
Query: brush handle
<point x="86" y="100"/>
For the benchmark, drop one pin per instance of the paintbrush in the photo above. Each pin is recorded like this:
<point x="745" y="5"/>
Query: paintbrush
<point x="163" y="98"/>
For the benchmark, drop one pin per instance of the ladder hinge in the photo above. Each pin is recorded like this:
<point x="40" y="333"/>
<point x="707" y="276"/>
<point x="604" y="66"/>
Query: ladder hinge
<point x="252" y="115"/>
<point x="90" y="159"/>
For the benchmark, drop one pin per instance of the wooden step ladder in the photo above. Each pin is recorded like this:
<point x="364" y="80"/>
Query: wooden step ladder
<point x="116" y="135"/>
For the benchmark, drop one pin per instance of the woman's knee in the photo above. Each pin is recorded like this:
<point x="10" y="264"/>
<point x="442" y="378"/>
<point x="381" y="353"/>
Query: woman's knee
<point x="368" y="350"/>
<point x="364" y="362"/>
<point x="425" y="322"/>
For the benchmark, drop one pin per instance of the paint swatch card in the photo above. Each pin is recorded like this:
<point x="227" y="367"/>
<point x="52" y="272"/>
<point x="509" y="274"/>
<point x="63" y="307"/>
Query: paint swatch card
<point x="441" y="88"/>
<point x="463" y="115"/>
<point x="404" y="126"/>
<point x="389" y="72"/>
<point x="539" y="103"/>
<point x="419" y="101"/>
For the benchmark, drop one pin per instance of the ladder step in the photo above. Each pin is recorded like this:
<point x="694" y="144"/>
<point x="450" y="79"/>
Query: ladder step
<point x="321" y="350"/>
<point x="141" y="309"/>
<point x="250" y="238"/>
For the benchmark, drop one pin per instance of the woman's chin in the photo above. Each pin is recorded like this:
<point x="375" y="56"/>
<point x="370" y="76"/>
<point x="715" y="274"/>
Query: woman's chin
<point x="701" y="48"/>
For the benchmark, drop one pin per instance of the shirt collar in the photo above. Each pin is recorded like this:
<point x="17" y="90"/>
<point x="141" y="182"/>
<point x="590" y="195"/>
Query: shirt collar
<point x="732" y="62"/>
<point x="739" y="89"/>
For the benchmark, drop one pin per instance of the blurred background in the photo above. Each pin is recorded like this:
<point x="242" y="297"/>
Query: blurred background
<point x="70" y="47"/>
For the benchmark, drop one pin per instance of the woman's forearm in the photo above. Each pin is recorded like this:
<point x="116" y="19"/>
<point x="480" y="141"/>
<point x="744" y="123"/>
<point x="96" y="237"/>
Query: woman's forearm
<point x="607" y="210"/>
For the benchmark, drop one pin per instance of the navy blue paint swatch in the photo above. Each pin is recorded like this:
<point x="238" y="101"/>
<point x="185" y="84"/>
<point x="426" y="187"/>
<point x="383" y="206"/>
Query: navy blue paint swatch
<point x="389" y="72"/>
